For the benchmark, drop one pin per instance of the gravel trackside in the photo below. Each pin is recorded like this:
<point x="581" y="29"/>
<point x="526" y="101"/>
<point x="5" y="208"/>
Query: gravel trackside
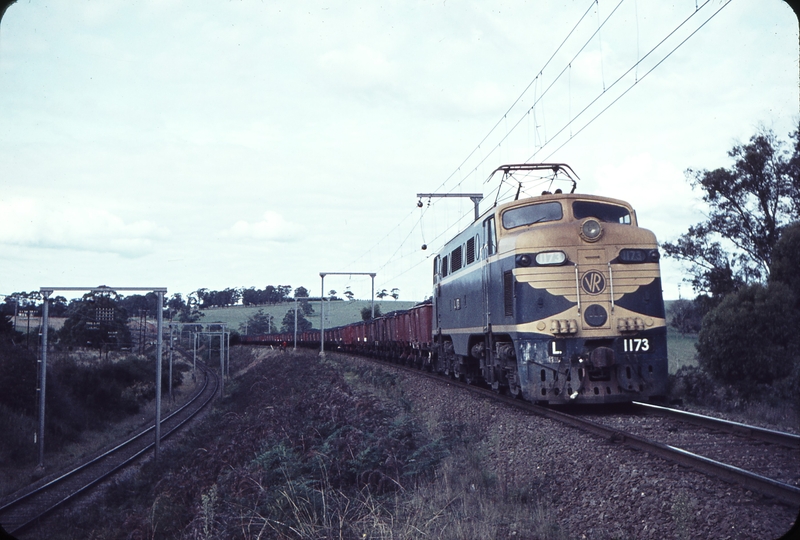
<point x="594" y="488"/>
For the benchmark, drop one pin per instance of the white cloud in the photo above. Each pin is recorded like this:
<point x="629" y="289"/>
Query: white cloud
<point x="29" y="223"/>
<point x="273" y="228"/>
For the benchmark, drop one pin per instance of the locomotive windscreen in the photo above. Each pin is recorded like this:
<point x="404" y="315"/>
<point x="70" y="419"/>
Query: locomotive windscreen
<point x="609" y="213"/>
<point x="534" y="213"/>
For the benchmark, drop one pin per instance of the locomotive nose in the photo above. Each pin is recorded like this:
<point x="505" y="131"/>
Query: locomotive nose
<point x="602" y="357"/>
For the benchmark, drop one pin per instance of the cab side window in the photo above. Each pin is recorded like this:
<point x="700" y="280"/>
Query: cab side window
<point x="491" y="236"/>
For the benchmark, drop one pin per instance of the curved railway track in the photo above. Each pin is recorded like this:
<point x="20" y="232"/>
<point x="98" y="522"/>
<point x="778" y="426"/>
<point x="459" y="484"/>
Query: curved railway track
<point x="613" y="430"/>
<point x="24" y="510"/>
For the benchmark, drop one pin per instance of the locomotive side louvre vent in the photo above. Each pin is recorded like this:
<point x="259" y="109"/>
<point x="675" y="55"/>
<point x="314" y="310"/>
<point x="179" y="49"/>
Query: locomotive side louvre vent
<point x="455" y="259"/>
<point x="508" y="293"/>
<point x="445" y="267"/>
<point x="470" y="251"/>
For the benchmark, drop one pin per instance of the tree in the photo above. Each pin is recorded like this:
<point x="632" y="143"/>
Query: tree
<point x="349" y="294"/>
<point x="686" y="316"/>
<point x="258" y="323"/>
<point x="96" y="320"/>
<point x="305" y="306"/>
<point x="786" y="259"/>
<point x="175" y="305"/>
<point x="287" y="325"/>
<point x="749" y="204"/>
<point x="301" y="292"/>
<point x="395" y="293"/>
<point x="366" y="312"/>
<point x="750" y="337"/>
<point x="7" y="333"/>
<point x="136" y="304"/>
<point x="189" y="312"/>
<point x="382" y="294"/>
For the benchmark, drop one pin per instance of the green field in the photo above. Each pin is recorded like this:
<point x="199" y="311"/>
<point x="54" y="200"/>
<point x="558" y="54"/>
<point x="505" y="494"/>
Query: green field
<point x="337" y="313"/>
<point x="680" y="350"/>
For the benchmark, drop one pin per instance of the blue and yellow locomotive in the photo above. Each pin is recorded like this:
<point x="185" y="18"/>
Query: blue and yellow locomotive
<point x="555" y="297"/>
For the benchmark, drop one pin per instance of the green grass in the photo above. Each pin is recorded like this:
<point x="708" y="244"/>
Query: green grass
<point x="337" y="313"/>
<point x="680" y="350"/>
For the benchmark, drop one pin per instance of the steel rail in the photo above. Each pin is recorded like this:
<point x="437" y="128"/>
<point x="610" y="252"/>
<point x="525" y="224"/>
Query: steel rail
<point x="783" y="492"/>
<point x="98" y="459"/>
<point x="767" y="435"/>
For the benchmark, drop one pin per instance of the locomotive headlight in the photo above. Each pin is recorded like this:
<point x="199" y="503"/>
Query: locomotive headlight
<point x="547" y="258"/>
<point x="524" y="260"/>
<point x="591" y="230"/>
<point x="653" y="255"/>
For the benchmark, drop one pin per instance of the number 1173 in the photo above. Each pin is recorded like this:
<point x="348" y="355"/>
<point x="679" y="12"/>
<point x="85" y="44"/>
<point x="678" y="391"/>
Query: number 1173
<point x="636" y="345"/>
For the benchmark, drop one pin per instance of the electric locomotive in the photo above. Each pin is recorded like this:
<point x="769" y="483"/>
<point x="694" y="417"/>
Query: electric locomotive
<point x="555" y="297"/>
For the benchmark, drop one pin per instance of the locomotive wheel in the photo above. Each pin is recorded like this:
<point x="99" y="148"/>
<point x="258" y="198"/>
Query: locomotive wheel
<point x="449" y="362"/>
<point x="514" y="388"/>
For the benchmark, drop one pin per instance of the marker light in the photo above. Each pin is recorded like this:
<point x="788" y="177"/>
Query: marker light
<point x="546" y="258"/>
<point x="632" y="256"/>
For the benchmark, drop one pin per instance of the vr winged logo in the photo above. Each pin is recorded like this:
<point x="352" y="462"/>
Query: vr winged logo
<point x="593" y="282"/>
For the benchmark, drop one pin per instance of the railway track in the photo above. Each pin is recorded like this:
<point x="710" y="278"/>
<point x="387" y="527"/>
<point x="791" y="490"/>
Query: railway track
<point x="26" y="509"/>
<point x="778" y="482"/>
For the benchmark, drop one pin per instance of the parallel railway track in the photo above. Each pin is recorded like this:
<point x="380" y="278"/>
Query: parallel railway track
<point x="25" y="509"/>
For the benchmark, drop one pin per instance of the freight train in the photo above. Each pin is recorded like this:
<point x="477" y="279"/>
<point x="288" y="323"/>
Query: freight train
<point x="555" y="298"/>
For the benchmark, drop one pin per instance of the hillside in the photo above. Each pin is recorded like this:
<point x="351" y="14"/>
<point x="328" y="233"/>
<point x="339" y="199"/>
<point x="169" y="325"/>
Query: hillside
<point x="337" y="313"/>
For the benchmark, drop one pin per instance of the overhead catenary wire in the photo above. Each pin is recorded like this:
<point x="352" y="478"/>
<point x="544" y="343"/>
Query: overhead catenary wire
<point x="539" y="72"/>
<point x="571" y="120"/>
<point x="638" y="79"/>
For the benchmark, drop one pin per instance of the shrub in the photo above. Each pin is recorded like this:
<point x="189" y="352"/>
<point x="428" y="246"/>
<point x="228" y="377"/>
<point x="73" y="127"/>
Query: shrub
<point x="16" y="444"/>
<point x="686" y="316"/>
<point x="18" y="378"/>
<point x="751" y="337"/>
<point x="786" y="260"/>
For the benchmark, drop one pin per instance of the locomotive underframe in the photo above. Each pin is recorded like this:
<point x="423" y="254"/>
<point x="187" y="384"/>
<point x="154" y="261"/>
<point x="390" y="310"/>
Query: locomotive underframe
<point x="559" y="371"/>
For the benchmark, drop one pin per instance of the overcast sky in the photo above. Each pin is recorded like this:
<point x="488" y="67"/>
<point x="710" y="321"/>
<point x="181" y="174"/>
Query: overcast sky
<point x="246" y="143"/>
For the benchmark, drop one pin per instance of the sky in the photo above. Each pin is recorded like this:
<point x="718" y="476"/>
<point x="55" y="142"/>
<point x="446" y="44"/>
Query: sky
<point x="249" y="143"/>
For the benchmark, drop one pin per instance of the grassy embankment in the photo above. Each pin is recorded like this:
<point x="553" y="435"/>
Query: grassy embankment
<point x="91" y="403"/>
<point x="318" y="449"/>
